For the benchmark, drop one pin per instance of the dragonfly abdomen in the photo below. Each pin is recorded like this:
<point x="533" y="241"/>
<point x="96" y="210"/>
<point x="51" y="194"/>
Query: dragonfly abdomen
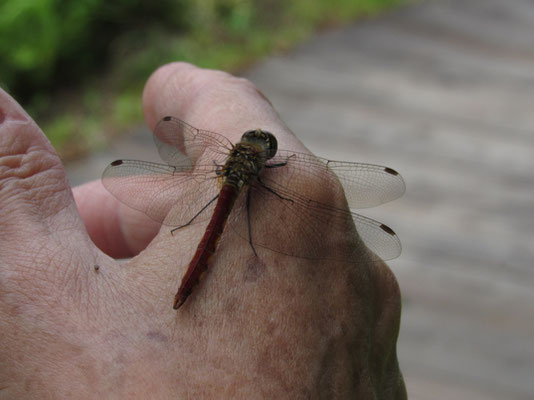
<point x="208" y="243"/>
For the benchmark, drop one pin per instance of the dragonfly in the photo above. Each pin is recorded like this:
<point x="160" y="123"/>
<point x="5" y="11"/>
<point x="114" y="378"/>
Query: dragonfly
<point x="233" y="186"/>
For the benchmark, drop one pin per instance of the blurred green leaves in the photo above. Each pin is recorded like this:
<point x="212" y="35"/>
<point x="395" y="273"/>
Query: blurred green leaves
<point x="79" y="66"/>
<point x="23" y="50"/>
<point x="46" y="44"/>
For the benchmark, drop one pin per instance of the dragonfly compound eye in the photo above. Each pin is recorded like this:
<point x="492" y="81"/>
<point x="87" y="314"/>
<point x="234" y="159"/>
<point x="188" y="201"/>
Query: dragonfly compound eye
<point x="266" y="140"/>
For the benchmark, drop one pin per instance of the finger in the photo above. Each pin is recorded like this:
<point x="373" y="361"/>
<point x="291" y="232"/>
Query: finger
<point x="34" y="191"/>
<point x="39" y="218"/>
<point x="116" y="229"/>
<point x="212" y="100"/>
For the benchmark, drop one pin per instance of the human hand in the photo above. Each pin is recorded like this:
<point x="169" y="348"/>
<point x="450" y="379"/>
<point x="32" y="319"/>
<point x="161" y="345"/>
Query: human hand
<point x="70" y="330"/>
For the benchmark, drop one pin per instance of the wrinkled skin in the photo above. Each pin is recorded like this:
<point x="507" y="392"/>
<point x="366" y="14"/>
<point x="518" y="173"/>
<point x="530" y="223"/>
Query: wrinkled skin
<point x="73" y="331"/>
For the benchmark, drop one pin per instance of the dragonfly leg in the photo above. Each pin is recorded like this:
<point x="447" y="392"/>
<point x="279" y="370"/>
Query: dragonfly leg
<point x="272" y="191"/>
<point x="282" y="164"/>
<point x="196" y="215"/>
<point x="248" y="224"/>
<point x="218" y="168"/>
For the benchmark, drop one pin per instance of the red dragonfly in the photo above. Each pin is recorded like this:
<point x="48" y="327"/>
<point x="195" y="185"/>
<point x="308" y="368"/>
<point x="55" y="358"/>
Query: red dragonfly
<point x="205" y="175"/>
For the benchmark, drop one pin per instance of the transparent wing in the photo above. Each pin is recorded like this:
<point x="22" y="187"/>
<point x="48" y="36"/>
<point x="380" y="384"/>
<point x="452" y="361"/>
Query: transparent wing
<point x="156" y="189"/>
<point x="365" y="185"/>
<point x="298" y="199"/>
<point x="314" y="232"/>
<point x="180" y="144"/>
<point x="185" y="185"/>
<point x="299" y="188"/>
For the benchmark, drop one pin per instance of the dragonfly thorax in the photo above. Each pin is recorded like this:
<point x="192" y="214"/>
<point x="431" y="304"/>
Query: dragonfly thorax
<point x="247" y="158"/>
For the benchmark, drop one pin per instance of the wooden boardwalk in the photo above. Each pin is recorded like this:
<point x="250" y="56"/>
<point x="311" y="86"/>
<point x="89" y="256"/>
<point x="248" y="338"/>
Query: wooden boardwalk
<point x="442" y="91"/>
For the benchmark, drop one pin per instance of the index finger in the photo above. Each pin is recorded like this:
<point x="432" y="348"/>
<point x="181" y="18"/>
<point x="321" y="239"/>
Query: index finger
<point x="212" y="100"/>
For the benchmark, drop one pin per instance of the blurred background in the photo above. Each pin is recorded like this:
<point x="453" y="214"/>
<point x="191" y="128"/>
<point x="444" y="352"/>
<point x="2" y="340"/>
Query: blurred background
<point x="79" y="67"/>
<point x="440" y="90"/>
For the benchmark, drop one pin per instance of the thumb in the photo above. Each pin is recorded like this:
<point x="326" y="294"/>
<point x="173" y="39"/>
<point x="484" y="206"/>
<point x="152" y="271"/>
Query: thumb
<point x="39" y="223"/>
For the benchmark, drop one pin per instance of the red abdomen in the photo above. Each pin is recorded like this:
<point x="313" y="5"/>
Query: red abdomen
<point x="208" y="243"/>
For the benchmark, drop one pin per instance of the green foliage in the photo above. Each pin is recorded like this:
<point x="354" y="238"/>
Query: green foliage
<point x="106" y="49"/>
<point x="22" y="49"/>
<point x="46" y="44"/>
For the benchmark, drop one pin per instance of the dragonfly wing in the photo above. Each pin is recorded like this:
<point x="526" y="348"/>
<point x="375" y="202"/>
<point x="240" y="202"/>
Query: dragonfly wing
<point x="172" y="193"/>
<point x="368" y="185"/>
<point x="299" y="212"/>
<point x="310" y="230"/>
<point x="365" y="185"/>
<point x="180" y="144"/>
<point x="379" y="238"/>
<point x="156" y="189"/>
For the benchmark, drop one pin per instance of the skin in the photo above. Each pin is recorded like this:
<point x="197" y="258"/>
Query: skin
<point x="75" y="323"/>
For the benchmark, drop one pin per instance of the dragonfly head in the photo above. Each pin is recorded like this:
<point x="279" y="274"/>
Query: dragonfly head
<point x="263" y="140"/>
